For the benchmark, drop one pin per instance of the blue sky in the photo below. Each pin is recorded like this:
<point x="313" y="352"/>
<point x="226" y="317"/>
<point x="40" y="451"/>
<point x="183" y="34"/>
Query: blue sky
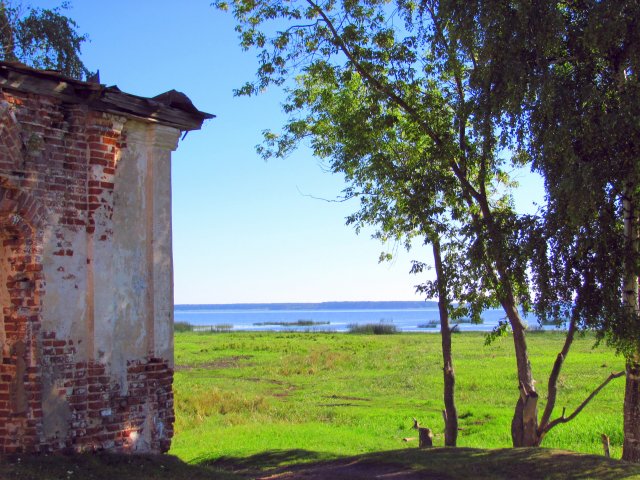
<point x="243" y="230"/>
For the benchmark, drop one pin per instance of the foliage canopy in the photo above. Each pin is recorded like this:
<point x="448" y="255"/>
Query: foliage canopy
<point x="388" y="97"/>
<point x="41" y="38"/>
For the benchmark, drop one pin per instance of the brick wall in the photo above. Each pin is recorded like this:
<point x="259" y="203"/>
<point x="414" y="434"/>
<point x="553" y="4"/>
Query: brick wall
<point x="101" y="415"/>
<point x="58" y="164"/>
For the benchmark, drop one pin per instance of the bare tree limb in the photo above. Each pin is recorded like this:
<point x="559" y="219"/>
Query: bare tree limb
<point x="564" y="419"/>
<point x="553" y="378"/>
<point x="297" y="27"/>
<point x="339" y="199"/>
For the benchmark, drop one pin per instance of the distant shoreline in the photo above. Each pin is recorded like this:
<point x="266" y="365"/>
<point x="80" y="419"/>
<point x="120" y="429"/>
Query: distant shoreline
<point x="351" y="305"/>
<point x="338" y="316"/>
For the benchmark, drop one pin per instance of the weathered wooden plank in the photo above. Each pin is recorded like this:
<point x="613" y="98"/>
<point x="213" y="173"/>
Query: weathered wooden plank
<point x="171" y="108"/>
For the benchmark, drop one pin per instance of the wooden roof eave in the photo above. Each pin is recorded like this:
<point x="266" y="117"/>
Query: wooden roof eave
<point x="98" y="97"/>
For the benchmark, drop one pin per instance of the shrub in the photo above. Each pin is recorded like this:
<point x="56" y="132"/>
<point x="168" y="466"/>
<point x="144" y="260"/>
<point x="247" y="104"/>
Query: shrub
<point x="381" y="328"/>
<point x="297" y="323"/>
<point x="430" y="324"/>
<point x="220" y="327"/>
<point x="182" y="327"/>
<point x="468" y="320"/>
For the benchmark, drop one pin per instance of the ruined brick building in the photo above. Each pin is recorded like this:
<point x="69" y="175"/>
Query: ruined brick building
<point x="86" y="333"/>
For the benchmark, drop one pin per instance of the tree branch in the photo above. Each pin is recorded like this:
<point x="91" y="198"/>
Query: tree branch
<point x="6" y="35"/>
<point x="296" y="27"/>
<point x="553" y="378"/>
<point x="377" y="84"/>
<point x="395" y="98"/>
<point x="459" y="171"/>
<point x="351" y="196"/>
<point x="564" y="419"/>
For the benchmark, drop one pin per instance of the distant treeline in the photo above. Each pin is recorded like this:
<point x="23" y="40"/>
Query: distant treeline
<point x="312" y="306"/>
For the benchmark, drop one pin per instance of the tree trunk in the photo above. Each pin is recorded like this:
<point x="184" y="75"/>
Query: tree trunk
<point x="524" y="425"/>
<point x="450" y="413"/>
<point x="631" y="447"/>
<point x="6" y="35"/>
<point x="606" y="445"/>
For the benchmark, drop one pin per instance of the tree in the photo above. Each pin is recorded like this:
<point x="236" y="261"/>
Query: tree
<point x="41" y="38"/>
<point x="419" y="76"/>
<point x="579" y="101"/>
<point x="414" y="104"/>
<point x="596" y="154"/>
<point x="399" y="195"/>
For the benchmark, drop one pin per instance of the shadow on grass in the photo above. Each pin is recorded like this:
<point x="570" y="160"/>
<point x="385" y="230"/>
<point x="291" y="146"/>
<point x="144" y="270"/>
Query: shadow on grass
<point x="261" y="462"/>
<point x="436" y="463"/>
<point x="406" y="464"/>
<point x="106" y="466"/>
<point x="512" y="463"/>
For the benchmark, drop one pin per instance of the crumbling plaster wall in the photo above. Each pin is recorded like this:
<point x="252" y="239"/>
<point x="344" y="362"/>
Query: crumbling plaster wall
<point x="85" y="278"/>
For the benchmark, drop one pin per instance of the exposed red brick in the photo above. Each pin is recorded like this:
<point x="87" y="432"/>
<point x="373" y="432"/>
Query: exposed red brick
<point x="62" y="161"/>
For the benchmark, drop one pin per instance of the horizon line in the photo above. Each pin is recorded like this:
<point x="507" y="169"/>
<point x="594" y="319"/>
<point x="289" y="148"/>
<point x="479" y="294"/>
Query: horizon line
<point x="308" y="303"/>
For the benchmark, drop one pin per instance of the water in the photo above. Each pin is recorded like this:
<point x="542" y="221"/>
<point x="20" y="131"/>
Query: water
<point x="335" y="316"/>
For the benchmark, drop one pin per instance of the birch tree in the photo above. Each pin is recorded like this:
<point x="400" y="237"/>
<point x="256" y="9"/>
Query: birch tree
<point x="570" y="98"/>
<point x="41" y="38"/>
<point x="581" y="108"/>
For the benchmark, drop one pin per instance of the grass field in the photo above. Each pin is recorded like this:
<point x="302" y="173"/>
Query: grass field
<point x="325" y="406"/>
<point x="328" y="395"/>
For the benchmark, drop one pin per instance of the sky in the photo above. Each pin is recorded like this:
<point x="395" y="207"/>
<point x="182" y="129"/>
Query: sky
<point x="244" y="230"/>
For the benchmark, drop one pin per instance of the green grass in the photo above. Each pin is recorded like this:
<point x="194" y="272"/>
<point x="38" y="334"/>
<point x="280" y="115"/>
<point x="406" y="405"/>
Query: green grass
<point x="328" y="405"/>
<point x="241" y="394"/>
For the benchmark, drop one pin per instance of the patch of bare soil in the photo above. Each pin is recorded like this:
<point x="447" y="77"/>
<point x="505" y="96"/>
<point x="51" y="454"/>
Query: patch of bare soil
<point x="284" y="393"/>
<point x="266" y="380"/>
<point x="219" y="363"/>
<point x="343" y="397"/>
<point x="288" y="387"/>
<point x="343" y="404"/>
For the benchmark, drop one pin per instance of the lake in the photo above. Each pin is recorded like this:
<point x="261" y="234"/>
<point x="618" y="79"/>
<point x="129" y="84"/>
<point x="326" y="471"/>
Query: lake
<point x="333" y="316"/>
